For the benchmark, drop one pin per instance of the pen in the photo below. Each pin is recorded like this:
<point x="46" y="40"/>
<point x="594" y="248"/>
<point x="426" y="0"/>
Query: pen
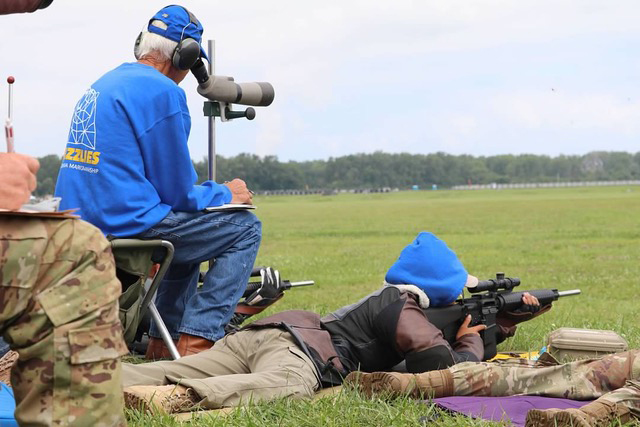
<point x="250" y="192"/>
<point x="8" y="126"/>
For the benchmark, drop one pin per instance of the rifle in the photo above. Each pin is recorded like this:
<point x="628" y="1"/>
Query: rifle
<point x="490" y="297"/>
<point x="285" y="285"/>
<point x="260" y="295"/>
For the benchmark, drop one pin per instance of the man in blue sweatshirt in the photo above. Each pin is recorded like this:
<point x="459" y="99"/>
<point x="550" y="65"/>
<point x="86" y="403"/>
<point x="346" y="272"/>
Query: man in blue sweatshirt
<point x="128" y="169"/>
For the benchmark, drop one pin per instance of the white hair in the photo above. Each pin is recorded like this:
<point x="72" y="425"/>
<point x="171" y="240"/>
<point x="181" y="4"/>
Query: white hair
<point x="423" y="299"/>
<point x="154" y="45"/>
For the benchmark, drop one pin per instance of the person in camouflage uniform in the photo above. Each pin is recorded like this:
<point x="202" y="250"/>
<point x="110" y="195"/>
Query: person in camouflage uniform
<point x="59" y="311"/>
<point x="22" y="6"/>
<point x="613" y="381"/>
<point x="58" y="304"/>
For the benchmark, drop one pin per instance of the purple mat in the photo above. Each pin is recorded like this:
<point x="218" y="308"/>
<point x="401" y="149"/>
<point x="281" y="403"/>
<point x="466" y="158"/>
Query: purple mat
<point x="512" y="408"/>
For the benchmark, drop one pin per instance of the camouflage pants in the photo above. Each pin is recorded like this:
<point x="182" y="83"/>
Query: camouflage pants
<point x="612" y="378"/>
<point x="59" y="311"/>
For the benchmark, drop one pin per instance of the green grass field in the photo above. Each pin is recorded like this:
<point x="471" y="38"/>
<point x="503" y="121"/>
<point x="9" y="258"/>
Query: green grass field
<point x="566" y="238"/>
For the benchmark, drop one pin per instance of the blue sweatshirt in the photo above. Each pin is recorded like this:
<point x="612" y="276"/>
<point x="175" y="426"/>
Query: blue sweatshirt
<point x="127" y="162"/>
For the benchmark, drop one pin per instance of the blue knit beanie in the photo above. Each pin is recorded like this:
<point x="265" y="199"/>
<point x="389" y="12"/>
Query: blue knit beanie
<point x="434" y="268"/>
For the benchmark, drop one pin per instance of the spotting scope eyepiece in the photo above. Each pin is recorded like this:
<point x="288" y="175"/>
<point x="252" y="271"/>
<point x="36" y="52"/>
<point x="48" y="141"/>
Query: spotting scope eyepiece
<point x="224" y="89"/>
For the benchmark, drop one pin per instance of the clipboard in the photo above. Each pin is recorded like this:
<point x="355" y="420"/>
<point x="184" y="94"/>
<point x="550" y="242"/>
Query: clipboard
<point x="229" y="207"/>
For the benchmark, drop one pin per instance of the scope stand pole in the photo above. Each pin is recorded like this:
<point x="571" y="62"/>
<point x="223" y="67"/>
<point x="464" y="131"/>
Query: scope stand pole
<point x="211" y="50"/>
<point x="211" y="47"/>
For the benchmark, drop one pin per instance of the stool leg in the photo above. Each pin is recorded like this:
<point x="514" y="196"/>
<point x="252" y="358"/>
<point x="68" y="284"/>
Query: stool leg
<point x="164" y="332"/>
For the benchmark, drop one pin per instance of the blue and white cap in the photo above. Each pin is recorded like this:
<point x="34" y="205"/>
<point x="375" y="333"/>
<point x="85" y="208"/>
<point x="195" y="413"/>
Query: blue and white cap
<point x="429" y="264"/>
<point x="180" y="23"/>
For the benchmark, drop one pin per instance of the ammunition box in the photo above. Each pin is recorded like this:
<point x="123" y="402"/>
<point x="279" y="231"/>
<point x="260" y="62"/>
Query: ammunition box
<point x="567" y="344"/>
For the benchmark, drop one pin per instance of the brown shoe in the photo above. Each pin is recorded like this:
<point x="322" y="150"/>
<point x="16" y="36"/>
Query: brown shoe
<point x="556" y="417"/>
<point x="395" y="384"/>
<point x="192" y="344"/>
<point x="160" y="399"/>
<point x="157" y="349"/>
<point x="599" y="413"/>
<point x="6" y="363"/>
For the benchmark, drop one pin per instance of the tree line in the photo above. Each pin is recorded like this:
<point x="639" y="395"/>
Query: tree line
<point x="379" y="170"/>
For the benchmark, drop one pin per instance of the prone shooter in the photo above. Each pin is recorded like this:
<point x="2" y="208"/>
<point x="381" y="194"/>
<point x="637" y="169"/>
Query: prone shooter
<point x="295" y="352"/>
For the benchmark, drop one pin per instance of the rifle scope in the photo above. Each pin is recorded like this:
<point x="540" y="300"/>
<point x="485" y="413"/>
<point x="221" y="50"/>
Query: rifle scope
<point x="500" y="282"/>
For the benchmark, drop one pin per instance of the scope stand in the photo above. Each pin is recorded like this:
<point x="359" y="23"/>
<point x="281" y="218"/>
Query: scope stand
<point x="213" y="109"/>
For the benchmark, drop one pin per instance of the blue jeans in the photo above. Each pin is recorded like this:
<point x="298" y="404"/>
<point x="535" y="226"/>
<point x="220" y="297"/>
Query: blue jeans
<point x="4" y="347"/>
<point x="232" y="239"/>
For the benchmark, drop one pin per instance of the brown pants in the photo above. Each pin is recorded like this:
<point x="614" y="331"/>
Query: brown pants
<point x="248" y="366"/>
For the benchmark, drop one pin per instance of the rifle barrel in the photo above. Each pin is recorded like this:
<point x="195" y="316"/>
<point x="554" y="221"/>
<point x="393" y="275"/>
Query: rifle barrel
<point x="286" y="285"/>
<point x="568" y="293"/>
<point x="302" y="283"/>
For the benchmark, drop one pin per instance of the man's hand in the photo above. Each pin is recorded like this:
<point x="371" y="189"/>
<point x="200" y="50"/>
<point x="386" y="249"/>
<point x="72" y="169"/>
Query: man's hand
<point x="466" y="329"/>
<point x="17" y="179"/>
<point x="239" y="192"/>
<point x="530" y="304"/>
<point x="529" y="309"/>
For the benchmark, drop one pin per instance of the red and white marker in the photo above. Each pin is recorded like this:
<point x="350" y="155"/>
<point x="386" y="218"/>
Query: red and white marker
<point x="8" y="126"/>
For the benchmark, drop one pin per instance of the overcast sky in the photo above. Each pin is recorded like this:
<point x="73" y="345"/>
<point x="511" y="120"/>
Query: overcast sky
<point x="480" y="77"/>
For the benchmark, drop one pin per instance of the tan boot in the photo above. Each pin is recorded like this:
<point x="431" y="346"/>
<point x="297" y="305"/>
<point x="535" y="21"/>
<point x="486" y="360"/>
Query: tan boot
<point x="157" y="349"/>
<point x="160" y="399"/>
<point x="599" y="413"/>
<point x="192" y="344"/>
<point x="394" y="384"/>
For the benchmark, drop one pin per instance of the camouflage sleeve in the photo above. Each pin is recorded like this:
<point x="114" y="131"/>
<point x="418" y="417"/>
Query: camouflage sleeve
<point x="21" y="6"/>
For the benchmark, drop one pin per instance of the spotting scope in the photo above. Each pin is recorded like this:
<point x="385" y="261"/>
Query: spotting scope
<point x="225" y="89"/>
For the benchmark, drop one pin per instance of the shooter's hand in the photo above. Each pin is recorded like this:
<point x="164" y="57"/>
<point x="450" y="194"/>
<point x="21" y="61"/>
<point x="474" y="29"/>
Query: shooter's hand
<point x="466" y="329"/>
<point x="239" y="192"/>
<point x="530" y="304"/>
<point x="17" y="179"/>
<point x="529" y="309"/>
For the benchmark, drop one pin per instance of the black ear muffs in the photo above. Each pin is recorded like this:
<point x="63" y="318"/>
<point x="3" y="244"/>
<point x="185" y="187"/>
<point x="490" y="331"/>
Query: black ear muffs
<point x="135" y="46"/>
<point x="188" y="50"/>
<point x="186" y="54"/>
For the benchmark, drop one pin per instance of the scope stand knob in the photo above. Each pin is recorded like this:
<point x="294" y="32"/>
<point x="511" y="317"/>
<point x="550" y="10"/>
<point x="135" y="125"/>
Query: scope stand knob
<point x="249" y="114"/>
<point x="224" y="111"/>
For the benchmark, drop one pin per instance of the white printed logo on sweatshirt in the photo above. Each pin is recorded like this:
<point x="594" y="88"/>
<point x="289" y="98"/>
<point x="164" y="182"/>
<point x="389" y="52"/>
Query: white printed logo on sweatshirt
<point x="83" y="131"/>
<point x="83" y="123"/>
